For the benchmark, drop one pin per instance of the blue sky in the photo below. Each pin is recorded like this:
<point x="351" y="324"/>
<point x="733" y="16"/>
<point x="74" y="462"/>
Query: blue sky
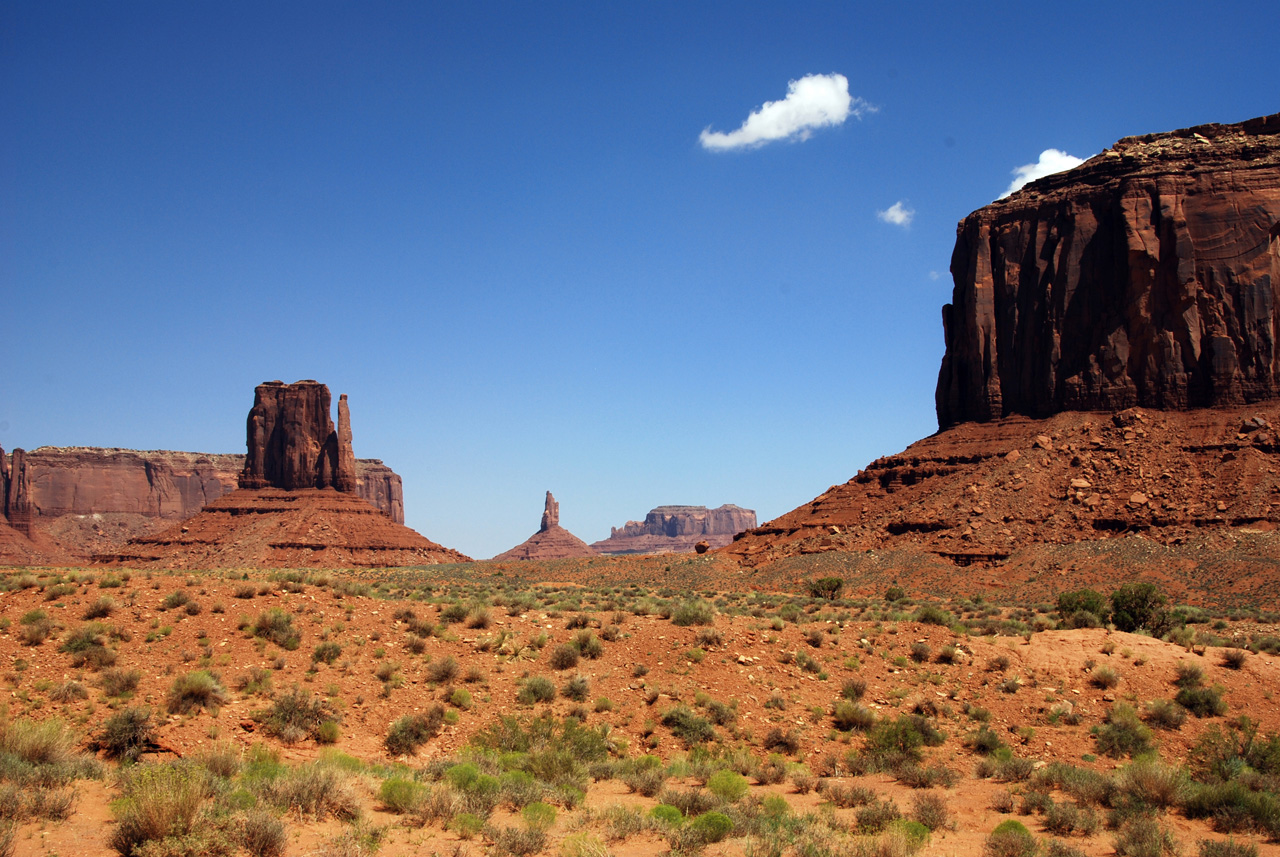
<point x="495" y="228"/>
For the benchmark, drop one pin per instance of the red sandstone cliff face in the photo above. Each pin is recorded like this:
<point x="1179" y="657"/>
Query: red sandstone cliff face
<point x="292" y="441"/>
<point x="1150" y="275"/>
<point x="677" y="529"/>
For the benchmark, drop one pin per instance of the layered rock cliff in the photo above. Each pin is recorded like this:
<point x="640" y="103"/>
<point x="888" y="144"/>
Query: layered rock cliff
<point x="292" y="443"/>
<point x="1149" y="275"/>
<point x="677" y="529"/>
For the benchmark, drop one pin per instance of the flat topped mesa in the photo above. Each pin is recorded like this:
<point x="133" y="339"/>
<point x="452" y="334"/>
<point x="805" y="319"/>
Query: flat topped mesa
<point x="292" y="441"/>
<point x="1147" y="276"/>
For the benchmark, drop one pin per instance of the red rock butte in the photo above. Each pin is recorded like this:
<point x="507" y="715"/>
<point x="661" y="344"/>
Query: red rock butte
<point x="677" y="529"/>
<point x="296" y="505"/>
<point x="551" y="541"/>
<point x="1111" y="370"/>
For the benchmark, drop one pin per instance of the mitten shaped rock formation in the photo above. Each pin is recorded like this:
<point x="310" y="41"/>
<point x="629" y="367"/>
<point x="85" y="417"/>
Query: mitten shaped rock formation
<point x="292" y="440"/>
<point x="1149" y="275"/>
<point x="678" y="529"/>
<point x="551" y="541"/>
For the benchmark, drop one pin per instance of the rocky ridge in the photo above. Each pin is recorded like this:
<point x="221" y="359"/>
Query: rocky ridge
<point x="677" y="529"/>
<point x="551" y="541"/>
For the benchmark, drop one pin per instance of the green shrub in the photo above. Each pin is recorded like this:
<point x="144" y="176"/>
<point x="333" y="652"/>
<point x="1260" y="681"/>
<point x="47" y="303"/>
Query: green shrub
<point x="174" y="599"/>
<point x="687" y="726"/>
<point x="1227" y="848"/>
<point x="1189" y="674"/>
<point x="127" y="733"/>
<point x="587" y="644"/>
<point x="1140" y="607"/>
<point x="161" y="802"/>
<point x="196" y="690"/>
<point x="1104" y="678"/>
<point x="1164" y="714"/>
<point x="260" y="833"/>
<point x="276" y="626"/>
<point x="326" y="653"/>
<point x="401" y="796"/>
<point x="564" y="656"/>
<point x="296" y="715"/>
<point x="729" y="786"/>
<point x="327" y="732"/>
<point x="667" y="814"/>
<point x="1143" y="836"/>
<point x="850" y="715"/>
<point x="539" y="815"/>
<point x="710" y="827"/>
<point x="411" y="731"/>
<point x="877" y="815"/>
<point x="931" y="811"/>
<point x="1123" y="733"/>
<point x="443" y="670"/>
<point x="697" y="612"/>
<point x="535" y="689"/>
<point x="826" y="587"/>
<point x="460" y="698"/>
<point x="931" y="614"/>
<point x="576" y="688"/>
<point x="1010" y="839"/>
<point x="100" y="609"/>
<point x="853" y="688"/>
<point x="89" y="646"/>
<point x="1082" y="600"/>
<point x="316" y="790"/>
<point x="1202" y="701"/>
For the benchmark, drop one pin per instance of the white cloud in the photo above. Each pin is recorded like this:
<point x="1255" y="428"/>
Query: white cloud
<point x="813" y="101"/>
<point x="897" y="214"/>
<point x="933" y="275"/>
<point x="1051" y="161"/>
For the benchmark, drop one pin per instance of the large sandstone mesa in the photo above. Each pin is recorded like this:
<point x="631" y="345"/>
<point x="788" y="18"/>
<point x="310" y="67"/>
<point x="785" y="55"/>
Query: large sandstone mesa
<point x="292" y="441"/>
<point x="1148" y="276"/>
<point x="551" y="541"/>
<point x="678" y="529"/>
<point x="317" y="522"/>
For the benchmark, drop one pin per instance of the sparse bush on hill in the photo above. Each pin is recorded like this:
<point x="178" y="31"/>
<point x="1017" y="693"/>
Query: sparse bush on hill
<point x="535" y="689"/>
<point x="161" y="804"/>
<point x="931" y="614"/>
<point x="1082" y="608"/>
<point x="127" y="733"/>
<point x="693" y="613"/>
<point x="296" y="715"/>
<point x="276" y="626"/>
<point x="826" y="587"/>
<point x="1123" y="733"/>
<point x="195" y="690"/>
<point x="687" y="726"/>
<point x="1202" y="701"/>
<point x="89" y="646"/>
<point x="411" y="731"/>
<point x="326" y="653"/>
<point x="1010" y="839"/>
<point x="1140" y="607"/>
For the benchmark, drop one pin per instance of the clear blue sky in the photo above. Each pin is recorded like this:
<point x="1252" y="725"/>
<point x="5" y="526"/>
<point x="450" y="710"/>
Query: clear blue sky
<point x="495" y="228"/>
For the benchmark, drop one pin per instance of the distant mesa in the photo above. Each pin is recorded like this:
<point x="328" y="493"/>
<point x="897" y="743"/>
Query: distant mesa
<point x="1112" y="368"/>
<point x="1148" y="276"/>
<point x="297" y="504"/>
<point x="678" y="529"/>
<point x="551" y="541"/>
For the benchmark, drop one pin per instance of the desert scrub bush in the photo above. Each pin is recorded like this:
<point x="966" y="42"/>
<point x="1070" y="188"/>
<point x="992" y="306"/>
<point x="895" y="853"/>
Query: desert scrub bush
<point x="1164" y="714"/>
<point x="1104" y="678"/>
<point x="257" y="682"/>
<point x="534" y="689"/>
<point x="877" y="815"/>
<point x="195" y="690"/>
<point x="89" y="646"/>
<point x="276" y="626"/>
<point x="261" y="834"/>
<point x="1202" y="701"/>
<point x="100" y="609"/>
<point x="116" y="683"/>
<point x="698" y="612"/>
<point x="161" y="805"/>
<point x="590" y="845"/>
<point x="1188" y="674"/>
<point x="645" y="777"/>
<point x="1233" y="659"/>
<point x="931" y="614"/>
<point x="1123" y="733"/>
<point x="411" y="731"/>
<point x="401" y="796"/>
<point x="1004" y="767"/>
<point x="853" y="688"/>
<point x="1144" y="836"/>
<point x="688" y="726"/>
<point x="894" y="742"/>
<point x="36" y="627"/>
<point x="223" y="759"/>
<point x="729" y="786"/>
<point x="845" y="796"/>
<point x="925" y="776"/>
<point x="920" y="652"/>
<point x="700" y="831"/>
<point x="931" y="811"/>
<point x="461" y="698"/>
<point x="786" y="741"/>
<point x="126" y="734"/>
<point x="984" y="740"/>
<point x="1154" y="783"/>
<point x="316" y="790"/>
<point x="1140" y="607"/>
<point x="296" y="715"/>
<point x="1009" y="839"/>
<point x="576" y="688"/>
<point x="174" y="599"/>
<point x="1066" y="819"/>
<point x="847" y="716"/>
<point x="564" y="656"/>
<point x="1226" y="848"/>
<point x="442" y="671"/>
<point x="326" y="653"/>
<point x="1082" y="608"/>
<point x="68" y="691"/>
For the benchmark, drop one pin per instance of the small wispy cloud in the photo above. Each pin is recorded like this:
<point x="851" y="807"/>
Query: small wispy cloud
<point x="898" y="214"/>
<point x="1051" y="161"/>
<point x="813" y="101"/>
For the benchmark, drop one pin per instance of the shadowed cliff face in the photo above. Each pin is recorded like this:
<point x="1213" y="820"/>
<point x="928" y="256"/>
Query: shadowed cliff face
<point x="292" y="442"/>
<point x="1150" y="275"/>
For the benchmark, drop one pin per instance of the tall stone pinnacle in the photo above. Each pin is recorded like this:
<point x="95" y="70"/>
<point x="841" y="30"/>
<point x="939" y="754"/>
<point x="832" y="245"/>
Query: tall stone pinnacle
<point x="345" y="479"/>
<point x="550" y="514"/>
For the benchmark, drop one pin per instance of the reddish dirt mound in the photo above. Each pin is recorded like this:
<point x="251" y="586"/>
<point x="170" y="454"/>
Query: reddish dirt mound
<point x="273" y="528"/>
